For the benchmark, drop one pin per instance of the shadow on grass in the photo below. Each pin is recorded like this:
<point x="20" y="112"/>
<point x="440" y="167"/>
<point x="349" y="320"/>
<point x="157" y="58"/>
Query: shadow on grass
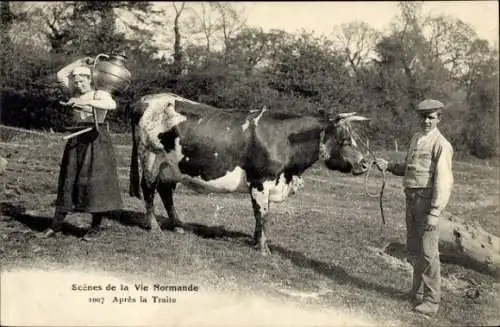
<point x="332" y="271"/>
<point x="128" y="218"/>
<point x="398" y="250"/>
<point x="211" y="231"/>
<point x="124" y="217"/>
<point x="133" y="218"/>
<point x="37" y="223"/>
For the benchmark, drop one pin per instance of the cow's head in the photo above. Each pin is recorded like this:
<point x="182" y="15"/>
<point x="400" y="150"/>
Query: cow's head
<point x="339" y="148"/>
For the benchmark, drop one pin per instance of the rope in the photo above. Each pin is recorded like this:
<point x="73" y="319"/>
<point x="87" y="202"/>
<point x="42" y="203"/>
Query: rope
<point x="367" y="174"/>
<point x="374" y="195"/>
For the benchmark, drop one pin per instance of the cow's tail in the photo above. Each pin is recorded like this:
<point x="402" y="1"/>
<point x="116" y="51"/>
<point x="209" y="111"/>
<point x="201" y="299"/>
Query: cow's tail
<point x="135" y="178"/>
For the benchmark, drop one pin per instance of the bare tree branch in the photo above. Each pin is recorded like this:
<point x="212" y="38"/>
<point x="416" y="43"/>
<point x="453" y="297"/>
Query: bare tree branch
<point x="357" y="40"/>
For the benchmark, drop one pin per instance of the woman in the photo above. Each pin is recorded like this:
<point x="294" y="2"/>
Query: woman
<point x="88" y="180"/>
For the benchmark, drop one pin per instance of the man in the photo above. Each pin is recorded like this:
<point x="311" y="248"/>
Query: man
<point x="88" y="180"/>
<point x="428" y="181"/>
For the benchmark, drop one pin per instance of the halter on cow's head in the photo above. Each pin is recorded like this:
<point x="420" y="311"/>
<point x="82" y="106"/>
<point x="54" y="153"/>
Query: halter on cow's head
<point x="339" y="148"/>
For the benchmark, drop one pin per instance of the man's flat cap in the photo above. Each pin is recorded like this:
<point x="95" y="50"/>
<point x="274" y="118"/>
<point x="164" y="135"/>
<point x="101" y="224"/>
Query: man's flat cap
<point x="430" y="104"/>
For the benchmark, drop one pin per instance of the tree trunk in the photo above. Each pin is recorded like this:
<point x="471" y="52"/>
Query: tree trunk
<point x="177" y="66"/>
<point x="6" y="20"/>
<point x="468" y="243"/>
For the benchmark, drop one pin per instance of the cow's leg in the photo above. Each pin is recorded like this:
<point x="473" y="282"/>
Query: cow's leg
<point x="148" y="190"/>
<point x="260" y="203"/>
<point x="166" y="191"/>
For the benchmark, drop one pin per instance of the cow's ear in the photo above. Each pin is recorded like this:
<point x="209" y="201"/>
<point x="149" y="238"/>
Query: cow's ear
<point x="323" y="116"/>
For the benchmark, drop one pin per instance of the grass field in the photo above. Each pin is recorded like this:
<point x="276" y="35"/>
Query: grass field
<point x="327" y="241"/>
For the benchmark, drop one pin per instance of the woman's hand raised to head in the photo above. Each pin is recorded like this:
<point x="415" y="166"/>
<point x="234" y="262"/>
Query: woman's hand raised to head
<point x="87" y="61"/>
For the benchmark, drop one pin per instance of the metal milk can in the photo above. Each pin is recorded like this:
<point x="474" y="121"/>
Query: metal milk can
<point x="111" y="74"/>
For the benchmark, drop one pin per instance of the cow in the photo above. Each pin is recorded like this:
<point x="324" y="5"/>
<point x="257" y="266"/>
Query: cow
<point x="263" y="153"/>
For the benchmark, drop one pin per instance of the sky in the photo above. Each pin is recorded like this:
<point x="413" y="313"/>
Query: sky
<point x="322" y="16"/>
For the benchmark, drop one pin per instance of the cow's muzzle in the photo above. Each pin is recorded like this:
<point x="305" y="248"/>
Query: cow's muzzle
<point x="360" y="167"/>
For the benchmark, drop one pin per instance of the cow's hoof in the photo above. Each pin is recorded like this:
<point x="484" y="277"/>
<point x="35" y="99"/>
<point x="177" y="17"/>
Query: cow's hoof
<point x="265" y="252"/>
<point x="155" y="229"/>
<point x="179" y="230"/>
<point x="49" y="233"/>
<point x="92" y="235"/>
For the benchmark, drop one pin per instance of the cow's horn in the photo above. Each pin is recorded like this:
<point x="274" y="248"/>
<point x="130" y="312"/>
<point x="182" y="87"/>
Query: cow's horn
<point x="344" y="115"/>
<point x="356" y="118"/>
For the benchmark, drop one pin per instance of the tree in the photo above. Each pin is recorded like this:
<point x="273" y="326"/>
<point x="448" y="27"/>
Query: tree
<point x="251" y="47"/>
<point x="28" y="81"/>
<point x="8" y="17"/>
<point x="177" y="40"/>
<point x="16" y="69"/>
<point x="357" y="40"/>
<point x="217" y="22"/>
<point x="448" y="40"/>
<point x="231" y="19"/>
<point x="477" y="56"/>
<point x="307" y="66"/>
<point x="482" y="99"/>
<point x="412" y="64"/>
<point x="85" y="26"/>
<point x="206" y="21"/>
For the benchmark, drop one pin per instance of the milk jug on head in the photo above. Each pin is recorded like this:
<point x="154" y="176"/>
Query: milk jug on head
<point x="111" y="74"/>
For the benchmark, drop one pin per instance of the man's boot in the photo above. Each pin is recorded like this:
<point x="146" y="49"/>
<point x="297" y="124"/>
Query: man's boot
<point x="415" y="299"/>
<point x="427" y="308"/>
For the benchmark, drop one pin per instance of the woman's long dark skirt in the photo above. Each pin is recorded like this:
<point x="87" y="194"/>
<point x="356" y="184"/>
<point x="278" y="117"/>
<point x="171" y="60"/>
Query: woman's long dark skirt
<point x="88" y="179"/>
